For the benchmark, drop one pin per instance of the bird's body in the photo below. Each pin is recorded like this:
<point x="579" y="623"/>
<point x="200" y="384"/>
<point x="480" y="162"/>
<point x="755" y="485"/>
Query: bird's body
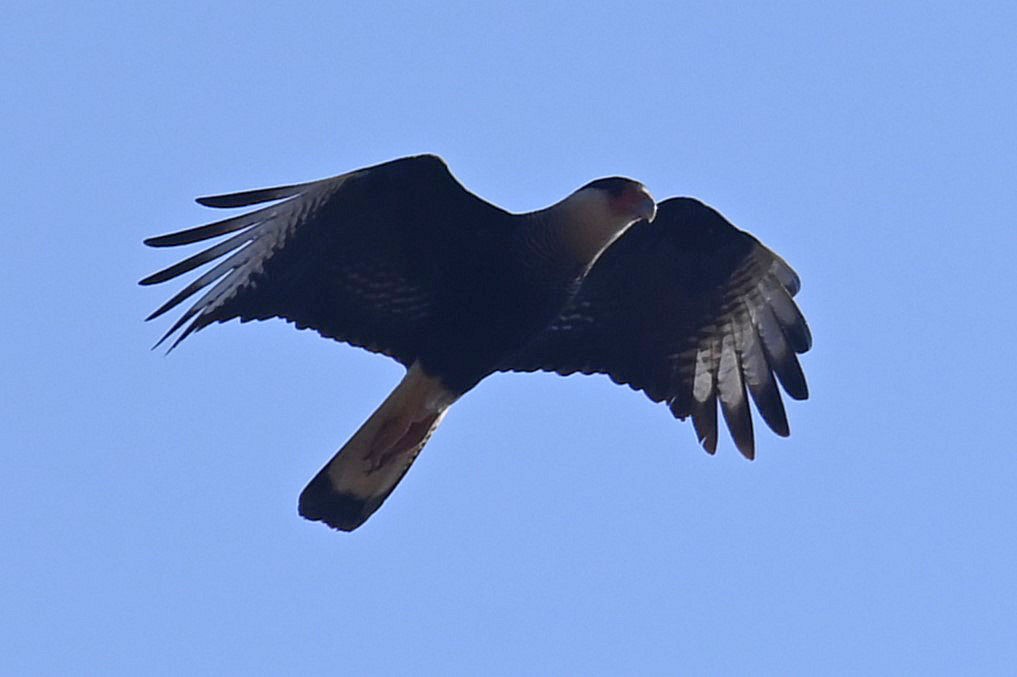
<point x="401" y="259"/>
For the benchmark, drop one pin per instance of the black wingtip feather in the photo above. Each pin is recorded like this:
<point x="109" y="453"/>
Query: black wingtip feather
<point x="200" y="233"/>
<point x="758" y="377"/>
<point x="704" y="421"/>
<point x="734" y="403"/>
<point x="785" y="274"/>
<point x="251" y="197"/>
<point x="739" y="423"/>
<point x="173" y="271"/>
<point x="771" y="408"/>
<point x="216" y="201"/>
<point x="792" y="379"/>
<point x="229" y="201"/>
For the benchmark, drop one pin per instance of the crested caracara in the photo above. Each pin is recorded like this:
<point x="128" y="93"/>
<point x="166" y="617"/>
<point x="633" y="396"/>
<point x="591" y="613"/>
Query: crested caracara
<point x="402" y="260"/>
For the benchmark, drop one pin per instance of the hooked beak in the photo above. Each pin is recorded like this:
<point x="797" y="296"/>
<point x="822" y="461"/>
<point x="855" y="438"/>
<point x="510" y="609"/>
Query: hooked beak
<point x="647" y="205"/>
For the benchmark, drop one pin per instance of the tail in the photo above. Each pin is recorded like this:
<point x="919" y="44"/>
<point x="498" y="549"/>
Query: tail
<point x="367" y="469"/>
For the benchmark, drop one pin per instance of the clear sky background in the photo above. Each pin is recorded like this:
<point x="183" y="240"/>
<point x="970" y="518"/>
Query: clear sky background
<point x="553" y="525"/>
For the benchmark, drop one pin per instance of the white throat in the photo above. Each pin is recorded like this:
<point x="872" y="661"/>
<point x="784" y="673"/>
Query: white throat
<point x="589" y="225"/>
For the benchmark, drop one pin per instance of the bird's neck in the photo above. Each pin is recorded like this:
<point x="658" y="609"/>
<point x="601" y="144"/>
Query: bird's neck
<point x="582" y="230"/>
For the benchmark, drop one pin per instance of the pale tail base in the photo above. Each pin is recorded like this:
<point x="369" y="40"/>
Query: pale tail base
<point x="358" y="479"/>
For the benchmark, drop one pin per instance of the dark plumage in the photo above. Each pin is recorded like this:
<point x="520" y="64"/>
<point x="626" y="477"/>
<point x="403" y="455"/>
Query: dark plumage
<point x="401" y="259"/>
<point x="692" y="311"/>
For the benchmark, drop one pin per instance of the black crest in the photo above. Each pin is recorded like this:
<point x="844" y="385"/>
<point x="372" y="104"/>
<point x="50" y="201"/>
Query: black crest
<point x="613" y="185"/>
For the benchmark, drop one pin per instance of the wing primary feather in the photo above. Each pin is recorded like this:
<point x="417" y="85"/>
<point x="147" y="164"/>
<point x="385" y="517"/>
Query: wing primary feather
<point x="216" y="229"/>
<point x="722" y="327"/>
<point x="733" y="401"/>
<point x="682" y="382"/>
<point x="704" y="397"/>
<point x="791" y="321"/>
<point x="704" y="421"/>
<point x="785" y="274"/>
<point x="176" y="325"/>
<point x="759" y="379"/>
<point x="191" y="328"/>
<point x="199" y="259"/>
<point x="198" y="284"/>
<point x="792" y="379"/>
<point x="779" y="354"/>
<point x="225" y="271"/>
<point x="247" y="198"/>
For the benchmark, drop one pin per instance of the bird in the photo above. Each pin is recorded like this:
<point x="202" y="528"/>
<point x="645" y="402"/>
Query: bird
<point x="401" y="259"/>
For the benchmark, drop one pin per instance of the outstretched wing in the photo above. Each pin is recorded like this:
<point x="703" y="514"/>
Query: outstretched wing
<point x="692" y="311"/>
<point x="359" y="258"/>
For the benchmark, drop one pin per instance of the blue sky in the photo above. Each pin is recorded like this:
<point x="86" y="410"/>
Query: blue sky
<point x="553" y="525"/>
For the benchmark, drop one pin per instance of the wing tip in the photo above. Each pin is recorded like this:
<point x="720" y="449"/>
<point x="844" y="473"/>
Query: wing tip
<point x="247" y="198"/>
<point x="800" y="392"/>
<point x="160" y="240"/>
<point x="156" y="278"/>
<point x="224" y="201"/>
<point x="779" y="428"/>
<point x="806" y="337"/>
<point x="744" y="438"/>
<point x="707" y="437"/>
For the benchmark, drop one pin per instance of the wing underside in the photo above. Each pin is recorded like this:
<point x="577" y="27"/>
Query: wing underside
<point x="695" y="313"/>
<point x="357" y="258"/>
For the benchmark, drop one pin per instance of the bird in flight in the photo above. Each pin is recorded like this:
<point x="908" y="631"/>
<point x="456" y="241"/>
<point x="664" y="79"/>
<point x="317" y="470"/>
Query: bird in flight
<point x="401" y="259"/>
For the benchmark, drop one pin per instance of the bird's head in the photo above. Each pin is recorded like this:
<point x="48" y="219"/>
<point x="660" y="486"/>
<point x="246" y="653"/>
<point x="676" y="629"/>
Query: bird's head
<point x="624" y="198"/>
<point x="602" y="210"/>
